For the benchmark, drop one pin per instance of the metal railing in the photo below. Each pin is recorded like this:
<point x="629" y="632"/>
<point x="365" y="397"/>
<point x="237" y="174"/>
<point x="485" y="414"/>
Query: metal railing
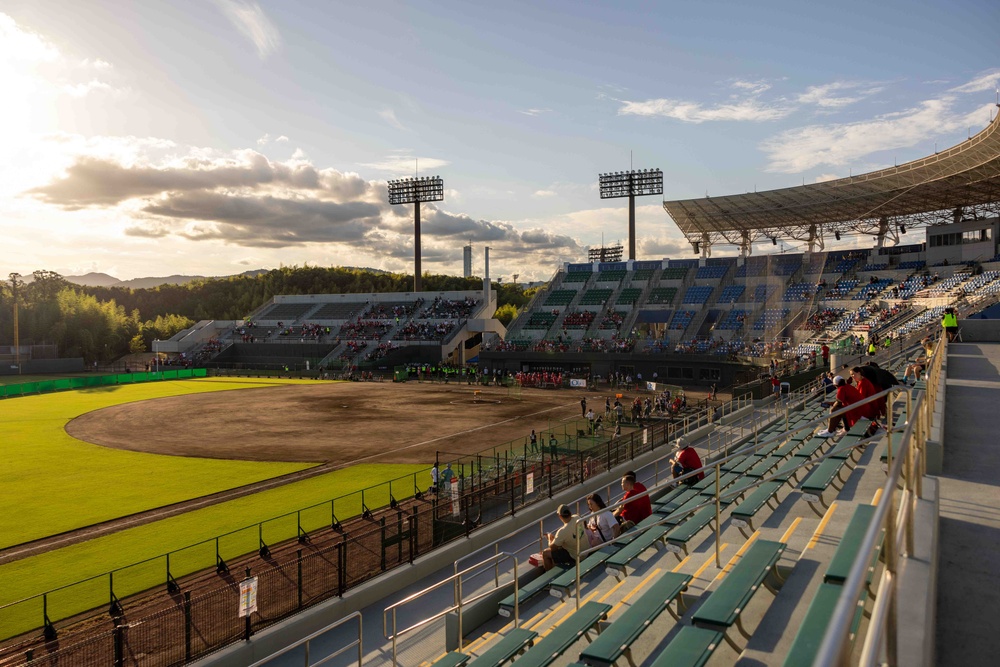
<point x="459" y="601"/>
<point x="896" y="515"/>
<point x="305" y="641"/>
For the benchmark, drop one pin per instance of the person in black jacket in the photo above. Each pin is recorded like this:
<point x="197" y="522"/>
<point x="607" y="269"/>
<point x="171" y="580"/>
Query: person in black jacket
<point x="882" y="379"/>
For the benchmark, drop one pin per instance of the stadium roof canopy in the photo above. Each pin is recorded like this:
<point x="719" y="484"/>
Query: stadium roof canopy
<point x="961" y="181"/>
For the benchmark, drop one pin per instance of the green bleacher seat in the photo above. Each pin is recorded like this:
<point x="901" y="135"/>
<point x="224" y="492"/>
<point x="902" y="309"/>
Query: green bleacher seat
<point x="692" y="647"/>
<point x="564" y="635"/>
<point x="616" y="640"/>
<point x="529" y="590"/>
<point x="452" y="659"/>
<point x="679" y="537"/>
<point x="617" y="562"/>
<point x="813" y="626"/>
<point x="724" y="605"/>
<point x="850" y="544"/>
<point x="514" y="642"/>
<point x="743" y="514"/>
<point x="561" y="585"/>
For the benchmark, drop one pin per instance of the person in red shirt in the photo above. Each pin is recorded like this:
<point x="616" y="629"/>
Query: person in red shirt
<point x="686" y="460"/>
<point x="636" y="510"/>
<point x="846" y="395"/>
<point x="826" y="355"/>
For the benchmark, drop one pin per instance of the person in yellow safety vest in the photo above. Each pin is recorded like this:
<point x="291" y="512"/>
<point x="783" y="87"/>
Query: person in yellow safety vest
<point x="950" y="323"/>
<point x="871" y="347"/>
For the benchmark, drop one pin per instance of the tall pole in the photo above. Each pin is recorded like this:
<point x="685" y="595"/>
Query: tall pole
<point x="631" y="226"/>
<point x="416" y="246"/>
<point x="17" y="334"/>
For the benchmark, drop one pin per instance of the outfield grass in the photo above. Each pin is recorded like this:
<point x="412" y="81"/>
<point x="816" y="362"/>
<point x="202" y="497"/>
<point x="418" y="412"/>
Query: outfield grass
<point x="52" y="482"/>
<point x="76" y="563"/>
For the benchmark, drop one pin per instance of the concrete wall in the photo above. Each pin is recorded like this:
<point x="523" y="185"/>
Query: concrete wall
<point x="44" y="366"/>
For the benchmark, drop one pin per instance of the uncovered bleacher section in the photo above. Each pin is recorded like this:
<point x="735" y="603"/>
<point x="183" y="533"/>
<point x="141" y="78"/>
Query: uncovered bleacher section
<point x="662" y="295"/>
<point x="732" y="293"/>
<point x="560" y="297"/>
<point x="697" y="295"/>
<point x="595" y="297"/>
<point x="286" y="312"/>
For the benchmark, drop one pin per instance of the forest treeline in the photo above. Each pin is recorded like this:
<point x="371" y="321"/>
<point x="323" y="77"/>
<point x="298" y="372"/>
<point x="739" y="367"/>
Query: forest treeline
<point x="103" y="323"/>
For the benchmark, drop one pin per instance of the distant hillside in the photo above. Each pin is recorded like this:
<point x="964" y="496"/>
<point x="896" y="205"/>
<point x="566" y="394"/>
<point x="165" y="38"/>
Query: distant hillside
<point x="104" y="280"/>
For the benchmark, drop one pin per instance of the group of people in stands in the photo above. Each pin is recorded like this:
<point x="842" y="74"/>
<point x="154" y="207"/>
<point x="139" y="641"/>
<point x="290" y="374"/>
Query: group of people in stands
<point x="448" y="309"/>
<point x="381" y="350"/>
<point x="539" y="379"/>
<point x="425" y="330"/>
<point x="851" y="387"/>
<point x="365" y="329"/>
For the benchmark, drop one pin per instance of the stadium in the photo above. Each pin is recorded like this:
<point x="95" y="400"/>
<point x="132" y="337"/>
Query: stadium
<point x="384" y="440"/>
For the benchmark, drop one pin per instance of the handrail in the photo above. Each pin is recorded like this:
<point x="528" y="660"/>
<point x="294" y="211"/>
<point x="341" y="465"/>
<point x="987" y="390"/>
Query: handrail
<point x="457" y="606"/>
<point x="318" y="633"/>
<point x="909" y="463"/>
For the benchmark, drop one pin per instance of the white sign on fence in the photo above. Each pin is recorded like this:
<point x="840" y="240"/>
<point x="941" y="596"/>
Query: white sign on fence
<point x="529" y="484"/>
<point x="578" y="382"/>
<point x="248" y="596"/>
<point x="456" y="507"/>
<point x="645" y="436"/>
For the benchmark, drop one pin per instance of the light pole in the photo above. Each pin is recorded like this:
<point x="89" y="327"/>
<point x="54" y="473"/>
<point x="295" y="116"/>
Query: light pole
<point x="413" y="191"/>
<point x="15" y="279"/>
<point x="633" y="183"/>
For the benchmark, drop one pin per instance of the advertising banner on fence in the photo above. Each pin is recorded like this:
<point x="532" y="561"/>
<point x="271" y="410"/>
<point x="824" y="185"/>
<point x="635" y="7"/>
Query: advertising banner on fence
<point x="456" y="507"/>
<point x="248" y="596"/>
<point x="578" y="382"/>
<point x="529" y="483"/>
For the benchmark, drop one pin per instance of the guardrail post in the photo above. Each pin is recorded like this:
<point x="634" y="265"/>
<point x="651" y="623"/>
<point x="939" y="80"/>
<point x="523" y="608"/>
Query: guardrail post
<point x="119" y="644"/>
<point x="298" y="567"/>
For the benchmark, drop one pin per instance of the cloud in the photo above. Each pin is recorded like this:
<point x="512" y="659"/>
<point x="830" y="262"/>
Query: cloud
<point x="752" y="87"/>
<point x="264" y="141"/>
<point x="823" y="178"/>
<point x="95" y="181"/>
<point x="823" y="96"/>
<point x="748" y="109"/>
<point x="988" y="81"/>
<point x="82" y="89"/>
<point x="843" y="144"/>
<point x="534" y="112"/>
<point x="403" y="163"/>
<point x="545" y="193"/>
<point x="250" y="20"/>
<point x="281" y="139"/>
<point x="389" y="116"/>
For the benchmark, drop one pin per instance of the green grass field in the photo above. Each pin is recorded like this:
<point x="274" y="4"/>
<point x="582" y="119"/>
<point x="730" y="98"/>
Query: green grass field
<point x="55" y="483"/>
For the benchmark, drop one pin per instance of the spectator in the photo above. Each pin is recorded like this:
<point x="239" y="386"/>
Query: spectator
<point x="634" y="511"/>
<point x="684" y="461"/>
<point x="601" y="527"/>
<point x="917" y="367"/>
<point x="846" y="395"/>
<point x="563" y="544"/>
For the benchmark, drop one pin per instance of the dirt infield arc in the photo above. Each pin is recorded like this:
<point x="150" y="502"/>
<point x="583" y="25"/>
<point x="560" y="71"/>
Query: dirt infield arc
<point x="337" y="423"/>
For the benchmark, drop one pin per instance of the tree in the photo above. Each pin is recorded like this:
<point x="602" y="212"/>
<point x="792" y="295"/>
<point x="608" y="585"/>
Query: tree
<point x="137" y="344"/>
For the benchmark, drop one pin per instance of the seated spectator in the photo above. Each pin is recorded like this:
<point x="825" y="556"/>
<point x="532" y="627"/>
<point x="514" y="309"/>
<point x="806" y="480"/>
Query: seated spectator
<point x="846" y="395"/>
<point x="563" y="544"/>
<point x="634" y="511"/>
<point x="601" y="527"/>
<point x="920" y="364"/>
<point x="684" y="461"/>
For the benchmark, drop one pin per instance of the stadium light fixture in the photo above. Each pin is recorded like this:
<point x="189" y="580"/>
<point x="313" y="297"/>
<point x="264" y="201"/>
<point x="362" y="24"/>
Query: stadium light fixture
<point x="633" y="183"/>
<point x="836" y="235"/>
<point x="413" y="191"/>
<point x="774" y="240"/>
<point x="902" y="229"/>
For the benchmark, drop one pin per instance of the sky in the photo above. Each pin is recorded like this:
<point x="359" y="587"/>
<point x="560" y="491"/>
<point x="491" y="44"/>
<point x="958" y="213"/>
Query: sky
<point x="212" y="137"/>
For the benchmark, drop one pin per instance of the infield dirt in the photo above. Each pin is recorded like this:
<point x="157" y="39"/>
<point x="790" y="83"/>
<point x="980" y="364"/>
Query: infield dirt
<point x="336" y="423"/>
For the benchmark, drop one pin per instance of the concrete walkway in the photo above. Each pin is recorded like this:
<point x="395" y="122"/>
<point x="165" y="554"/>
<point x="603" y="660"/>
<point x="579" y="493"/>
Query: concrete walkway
<point x="968" y="602"/>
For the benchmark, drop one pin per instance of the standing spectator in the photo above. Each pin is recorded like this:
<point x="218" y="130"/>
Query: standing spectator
<point x="446" y="476"/>
<point x="553" y="447"/>
<point x="583" y="406"/>
<point x="949" y="321"/>
<point x="826" y="355"/>
<point x="434" y="478"/>
<point x="533" y="439"/>
<point x="775" y="385"/>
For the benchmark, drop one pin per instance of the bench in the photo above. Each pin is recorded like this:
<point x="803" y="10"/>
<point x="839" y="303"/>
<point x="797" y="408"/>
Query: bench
<point x="743" y="514"/>
<point x="616" y="563"/>
<point x="764" y="466"/>
<point x="691" y="647"/>
<point x="819" y="480"/>
<point x="850" y="544"/>
<point x="678" y="538"/>
<point x="560" y="586"/>
<point x="564" y="635"/>
<point x="617" y="638"/>
<point x="813" y="627"/>
<point x="529" y="590"/>
<point x="513" y="643"/>
<point x="675" y="501"/>
<point x="724" y="606"/>
<point x="452" y="659"/>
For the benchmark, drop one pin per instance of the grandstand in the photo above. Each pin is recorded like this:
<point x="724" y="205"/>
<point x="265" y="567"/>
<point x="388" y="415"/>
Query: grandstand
<point x="788" y="551"/>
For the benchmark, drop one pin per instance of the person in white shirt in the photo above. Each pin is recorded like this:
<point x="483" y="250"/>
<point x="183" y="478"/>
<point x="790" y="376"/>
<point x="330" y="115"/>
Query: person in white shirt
<point x="602" y="527"/>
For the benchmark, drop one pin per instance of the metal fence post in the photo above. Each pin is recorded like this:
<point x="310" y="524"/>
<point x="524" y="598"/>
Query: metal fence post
<point x="187" y="626"/>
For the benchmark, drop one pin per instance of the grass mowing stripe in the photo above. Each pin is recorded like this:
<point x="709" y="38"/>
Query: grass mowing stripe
<point x="71" y="564"/>
<point x="53" y="482"/>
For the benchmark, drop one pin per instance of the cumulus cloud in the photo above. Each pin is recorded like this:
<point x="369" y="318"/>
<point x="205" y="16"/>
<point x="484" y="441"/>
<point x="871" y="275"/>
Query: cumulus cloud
<point x="251" y="21"/>
<point x="545" y="193"/>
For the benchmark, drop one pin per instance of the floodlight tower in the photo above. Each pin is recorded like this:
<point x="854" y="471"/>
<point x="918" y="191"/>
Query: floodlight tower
<point x="633" y="183"/>
<point x="413" y="191"/>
